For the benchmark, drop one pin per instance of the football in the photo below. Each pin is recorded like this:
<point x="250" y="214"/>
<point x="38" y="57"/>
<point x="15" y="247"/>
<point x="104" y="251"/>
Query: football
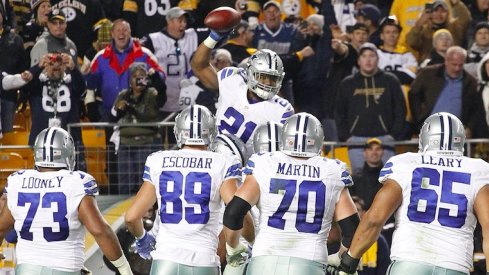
<point x="222" y="19"/>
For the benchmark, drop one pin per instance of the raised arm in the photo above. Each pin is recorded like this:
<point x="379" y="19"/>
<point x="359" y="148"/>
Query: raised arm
<point x="201" y="65"/>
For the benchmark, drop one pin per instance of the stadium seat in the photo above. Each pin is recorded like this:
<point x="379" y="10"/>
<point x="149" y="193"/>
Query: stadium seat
<point x="20" y="141"/>
<point x="95" y="153"/>
<point x="341" y="153"/>
<point x="10" y="162"/>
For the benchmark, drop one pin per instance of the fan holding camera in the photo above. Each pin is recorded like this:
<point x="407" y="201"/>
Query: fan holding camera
<point x="452" y="15"/>
<point x="54" y="95"/>
<point x="134" y="105"/>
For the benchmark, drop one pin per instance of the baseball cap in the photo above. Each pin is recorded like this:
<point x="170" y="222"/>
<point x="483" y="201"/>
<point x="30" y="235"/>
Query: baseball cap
<point x="440" y="3"/>
<point x="357" y="26"/>
<point x="272" y="2"/>
<point x="367" y="46"/>
<point x="175" y="12"/>
<point x="390" y="21"/>
<point x="370" y="12"/>
<point x="372" y="141"/>
<point x="56" y="14"/>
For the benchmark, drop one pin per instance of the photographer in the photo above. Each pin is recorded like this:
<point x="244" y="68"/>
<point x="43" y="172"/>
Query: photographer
<point x="139" y="103"/>
<point x="436" y="16"/>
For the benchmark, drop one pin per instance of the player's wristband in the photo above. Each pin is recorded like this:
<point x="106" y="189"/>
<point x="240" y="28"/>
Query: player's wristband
<point x="122" y="265"/>
<point x="234" y="250"/>
<point x="141" y="237"/>
<point x="210" y="42"/>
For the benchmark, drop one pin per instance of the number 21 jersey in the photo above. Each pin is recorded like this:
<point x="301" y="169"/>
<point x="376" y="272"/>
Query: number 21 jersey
<point x="436" y="220"/>
<point x="237" y="116"/>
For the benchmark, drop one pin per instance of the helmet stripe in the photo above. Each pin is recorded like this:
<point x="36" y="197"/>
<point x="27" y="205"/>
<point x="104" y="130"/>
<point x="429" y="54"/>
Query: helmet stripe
<point x="269" y="60"/>
<point x="192" y="122"/>
<point x="232" y="145"/>
<point x="277" y="137"/>
<point x="304" y="135"/>
<point x="450" y="126"/>
<point x="442" y="134"/>
<point x="44" y="142"/>
<point x="48" y="156"/>
<point x="199" y="122"/>
<point x="270" y="135"/>
<point x="296" y="136"/>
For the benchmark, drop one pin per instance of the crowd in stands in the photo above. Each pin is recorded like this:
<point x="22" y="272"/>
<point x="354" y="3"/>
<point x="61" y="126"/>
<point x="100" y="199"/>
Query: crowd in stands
<point x="366" y="68"/>
<point x="422" y="57"/>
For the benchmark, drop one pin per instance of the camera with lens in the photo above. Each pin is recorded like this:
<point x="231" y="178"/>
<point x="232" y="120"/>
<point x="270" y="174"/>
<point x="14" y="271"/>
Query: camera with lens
<point x="55" y="58"/>
<point x="141" y="81"/>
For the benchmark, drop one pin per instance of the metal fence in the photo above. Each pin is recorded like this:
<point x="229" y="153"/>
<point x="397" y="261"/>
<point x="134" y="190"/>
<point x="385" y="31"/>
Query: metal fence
<point x="119" y="170"/>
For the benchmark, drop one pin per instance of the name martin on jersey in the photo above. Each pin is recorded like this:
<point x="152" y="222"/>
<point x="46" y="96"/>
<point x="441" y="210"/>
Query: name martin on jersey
<point x="440" y="161"/>
<point x="32" y="182"/>
<point x="305" y="170"/>
<point x="187" y="162"/>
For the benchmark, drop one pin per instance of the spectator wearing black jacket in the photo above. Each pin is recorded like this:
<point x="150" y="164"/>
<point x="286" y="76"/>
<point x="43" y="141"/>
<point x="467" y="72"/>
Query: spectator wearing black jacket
<point x="13" y="60"/>
<point x="369" y="104"/>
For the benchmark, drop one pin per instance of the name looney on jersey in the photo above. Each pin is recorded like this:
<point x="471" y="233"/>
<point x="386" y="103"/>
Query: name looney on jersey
<point x="290" y="169"/>
<point x="440" y="161"/>
<point x="187" y="162"/>
<point x="32" y="182"/>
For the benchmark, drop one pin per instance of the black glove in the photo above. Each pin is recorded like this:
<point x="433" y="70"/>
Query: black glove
<point x="348" y="264"/>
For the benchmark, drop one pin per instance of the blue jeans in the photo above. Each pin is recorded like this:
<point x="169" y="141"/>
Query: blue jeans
<point x="8" y="115"/>
<point x="130" y="164"/>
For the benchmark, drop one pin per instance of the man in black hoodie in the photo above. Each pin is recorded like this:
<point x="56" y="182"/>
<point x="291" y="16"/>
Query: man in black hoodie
<point x="369" y="104"/>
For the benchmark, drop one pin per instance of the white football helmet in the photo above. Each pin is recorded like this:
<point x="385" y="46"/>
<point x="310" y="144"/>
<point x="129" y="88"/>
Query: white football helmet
<point x="265" y="73"/>
<point x="54" y="148"/>
<point x="302" y="136"/>
<point x="195" y="125"/>
<point x="442" y="132"/>
<point x="230" y="145"/>
<point x="267" y="137"/>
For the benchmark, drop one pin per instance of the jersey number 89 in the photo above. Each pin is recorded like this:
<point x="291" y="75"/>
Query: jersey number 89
<point x="197" y="187"/>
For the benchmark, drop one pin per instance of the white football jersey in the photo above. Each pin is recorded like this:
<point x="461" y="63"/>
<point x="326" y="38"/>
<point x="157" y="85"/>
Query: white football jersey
<point x="436" y="221"/>
<point x="237" y="116"/>
<point x="174" y="57"/>
<point x="398" y="62"/>
<point x="297" y="203"/>
<point x="187" y="186"/>
<point x="45" y="208"/>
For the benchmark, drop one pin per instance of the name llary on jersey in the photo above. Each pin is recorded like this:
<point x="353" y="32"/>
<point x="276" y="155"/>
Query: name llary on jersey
<point x="184" y="162"/>
<point x="447" y="162"/>
<point x="32" y="182"/>
<point x="305" y="170"/>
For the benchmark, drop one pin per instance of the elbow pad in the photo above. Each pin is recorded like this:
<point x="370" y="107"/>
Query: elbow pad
<point x="348" y="227"/>
<point x="235" y="212"/>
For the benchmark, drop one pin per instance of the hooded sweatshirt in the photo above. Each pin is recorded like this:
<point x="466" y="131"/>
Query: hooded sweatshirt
<point x="370" y="106"/>
<point x="483" y="79"/>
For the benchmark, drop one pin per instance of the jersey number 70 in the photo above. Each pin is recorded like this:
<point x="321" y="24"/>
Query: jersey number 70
<point x="305" y="188"/>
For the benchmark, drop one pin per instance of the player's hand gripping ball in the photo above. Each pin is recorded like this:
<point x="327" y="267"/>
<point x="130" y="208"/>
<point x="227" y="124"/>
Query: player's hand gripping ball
<point x="222" y="19"/>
